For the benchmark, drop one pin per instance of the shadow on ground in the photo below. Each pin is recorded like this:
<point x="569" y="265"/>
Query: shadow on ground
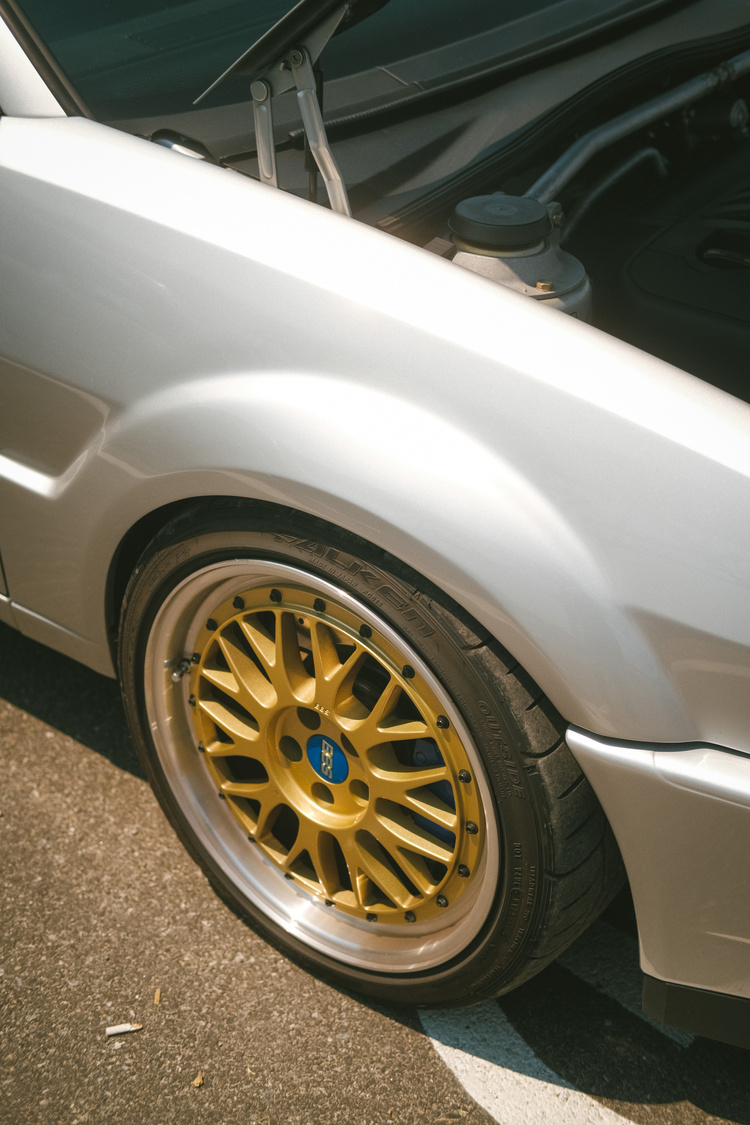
<point x="570" y="1031"/>
<point x="66" y="695"/>
<point x="583" y="1036"/>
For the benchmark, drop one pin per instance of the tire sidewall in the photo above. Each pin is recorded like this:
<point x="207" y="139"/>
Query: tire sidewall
<point x="495" y="960"/>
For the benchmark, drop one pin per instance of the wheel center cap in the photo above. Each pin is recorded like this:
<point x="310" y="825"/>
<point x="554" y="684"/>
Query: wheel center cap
<point x="327" y="759"/>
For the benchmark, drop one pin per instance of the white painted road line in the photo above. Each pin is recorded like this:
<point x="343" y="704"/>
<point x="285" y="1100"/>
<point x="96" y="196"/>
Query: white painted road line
<point x="607" y="959"/>
<point x="500" y="1071"/>
<point x="503" y="1075"/>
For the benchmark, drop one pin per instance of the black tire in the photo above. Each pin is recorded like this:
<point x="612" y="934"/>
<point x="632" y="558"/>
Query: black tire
<point x="439" y="854"/>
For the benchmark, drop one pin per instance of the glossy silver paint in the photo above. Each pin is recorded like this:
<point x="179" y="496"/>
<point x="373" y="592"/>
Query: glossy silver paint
<point x="170" y="330"/>
<point x="679" y="815"/>
<point x="181" y="331"/>
<point x="23" y="92"/>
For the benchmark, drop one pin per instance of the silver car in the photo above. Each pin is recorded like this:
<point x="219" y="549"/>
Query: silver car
<point x="396" y="459"/>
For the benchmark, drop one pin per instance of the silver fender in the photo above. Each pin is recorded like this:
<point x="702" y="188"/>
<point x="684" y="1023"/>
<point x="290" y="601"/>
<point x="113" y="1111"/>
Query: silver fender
<point x="217" y="336"/>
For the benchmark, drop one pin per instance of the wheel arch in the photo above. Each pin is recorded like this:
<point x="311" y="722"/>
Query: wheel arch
<point x="167" y="601"/>
<point x="486" y="622"/>
<point x="456" y="506"/>
<point x="137" y="538"/>
<point x="124" y="560"/>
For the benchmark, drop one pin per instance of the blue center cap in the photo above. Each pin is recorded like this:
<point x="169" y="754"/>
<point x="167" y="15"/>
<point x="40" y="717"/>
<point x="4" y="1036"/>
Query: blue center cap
<point x="327" y="759"/>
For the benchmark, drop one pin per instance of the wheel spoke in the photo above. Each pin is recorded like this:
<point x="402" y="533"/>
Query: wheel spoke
<point x="280" y="658"/>
<point x="397" y="782"/>
<point x="318" y="847"/>
<point x="239" y="729"/>
<point x="348" y="853"/>
<point x="261" y="641"/>
<point x="401" y="732"/>
<point x="401" y="790"/>
<point x="375" y="727"/>
<point x="251" y="789"/>
<point x="266" y="816"/>
<point x="325" y="653"/>
<point x="373" y="865"/>
<point x="224" y="680"/>
<point x="290" y="677"/>
<point x="415" y="868"/>
<point x="396" y="829"/>
<point x="430" y="806"/>
<point x="251" y="686"/>
<point x="385" y="706"/>
<point x="363" y="887"/>
<point x="218" y="749"/>
<point x="331" y="673"/>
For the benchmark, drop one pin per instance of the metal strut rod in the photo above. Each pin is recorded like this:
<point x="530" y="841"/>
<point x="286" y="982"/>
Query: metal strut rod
<point x="292" y="67"/>
<point x="303" y="77"/>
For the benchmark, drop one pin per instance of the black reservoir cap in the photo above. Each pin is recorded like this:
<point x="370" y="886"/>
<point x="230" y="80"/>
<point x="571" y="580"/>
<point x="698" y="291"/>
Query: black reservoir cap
<point x="501" y="222"/>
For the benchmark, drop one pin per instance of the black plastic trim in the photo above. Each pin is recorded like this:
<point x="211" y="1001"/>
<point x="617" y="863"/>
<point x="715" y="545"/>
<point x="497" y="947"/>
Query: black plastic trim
<point x="546" y="137"/>
<point x="500" y="221"/>
<point x="44" y="61"/>
<point x="445" y="73"/>
<point x="716" y="1015"/>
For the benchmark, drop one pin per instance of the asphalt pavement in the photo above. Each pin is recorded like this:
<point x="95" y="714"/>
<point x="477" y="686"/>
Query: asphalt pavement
<point x="105" y="920"/>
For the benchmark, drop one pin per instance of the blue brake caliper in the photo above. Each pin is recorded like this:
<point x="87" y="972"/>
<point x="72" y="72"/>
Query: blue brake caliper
<point x="426" y="755"/>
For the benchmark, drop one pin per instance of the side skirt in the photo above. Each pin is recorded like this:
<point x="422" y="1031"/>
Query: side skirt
<point x="713" y="1014"/>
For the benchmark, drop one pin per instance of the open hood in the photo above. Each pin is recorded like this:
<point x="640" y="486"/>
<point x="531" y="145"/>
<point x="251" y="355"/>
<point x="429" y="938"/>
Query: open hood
<point x="300" y="24"/>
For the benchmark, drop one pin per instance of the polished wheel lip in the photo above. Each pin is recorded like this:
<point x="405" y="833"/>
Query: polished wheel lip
<point x="377" y="947"/>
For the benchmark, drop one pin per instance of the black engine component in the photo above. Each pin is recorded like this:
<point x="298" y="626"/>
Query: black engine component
<point x="672" y="275"/>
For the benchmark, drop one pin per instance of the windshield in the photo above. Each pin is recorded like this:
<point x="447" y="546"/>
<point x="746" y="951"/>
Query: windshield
<point x="132" y="58"/>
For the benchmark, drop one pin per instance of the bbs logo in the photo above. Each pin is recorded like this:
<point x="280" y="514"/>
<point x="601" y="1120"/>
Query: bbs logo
<point x="326" y="758"/>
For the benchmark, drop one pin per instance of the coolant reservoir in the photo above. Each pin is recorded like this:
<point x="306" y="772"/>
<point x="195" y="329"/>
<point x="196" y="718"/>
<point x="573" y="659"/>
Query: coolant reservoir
<point x="516" y="241"/>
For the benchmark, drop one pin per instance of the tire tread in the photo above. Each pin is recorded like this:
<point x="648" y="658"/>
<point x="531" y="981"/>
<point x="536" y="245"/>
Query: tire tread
<point x="581" y="869"/>
<point x="585" y="870"/>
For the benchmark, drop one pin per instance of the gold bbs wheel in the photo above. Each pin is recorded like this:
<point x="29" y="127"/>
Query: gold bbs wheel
<point x="334" y="754"/>
<point x="355" y="767"/>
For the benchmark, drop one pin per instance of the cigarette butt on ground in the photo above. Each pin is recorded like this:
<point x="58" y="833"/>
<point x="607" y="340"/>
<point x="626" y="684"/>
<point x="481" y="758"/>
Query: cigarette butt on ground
<point x="157" y="997"/>
<point x="199" y="1080"/>
<point x="121" y="1028"/>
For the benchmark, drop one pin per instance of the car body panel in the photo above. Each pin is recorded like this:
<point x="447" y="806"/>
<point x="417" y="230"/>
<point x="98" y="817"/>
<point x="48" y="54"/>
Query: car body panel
<point x="668" y="809"/>
<point x="23" y="91"/>
<point x="505" y="452"/>
<point x="171" y="330"/>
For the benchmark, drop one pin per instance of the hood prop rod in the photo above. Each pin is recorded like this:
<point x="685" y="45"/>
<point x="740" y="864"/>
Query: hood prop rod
<point x="294" y="69"/>
<point x="300" y="74"/>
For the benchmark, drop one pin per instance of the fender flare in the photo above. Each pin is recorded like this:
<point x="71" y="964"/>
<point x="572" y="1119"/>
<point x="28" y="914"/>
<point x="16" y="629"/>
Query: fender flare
<point x="341" y="450"/>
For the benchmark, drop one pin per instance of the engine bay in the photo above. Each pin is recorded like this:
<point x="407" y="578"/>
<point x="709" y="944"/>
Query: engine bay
<point x="670" y="265"/>
<point x="648" y="237"/>
<point x="660" y="223"/>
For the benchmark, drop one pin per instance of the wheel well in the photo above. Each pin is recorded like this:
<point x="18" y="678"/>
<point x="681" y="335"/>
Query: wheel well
<point x="201" y="573"/>
<point x="135" y="541"/>
<point x="124" y="561"/>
